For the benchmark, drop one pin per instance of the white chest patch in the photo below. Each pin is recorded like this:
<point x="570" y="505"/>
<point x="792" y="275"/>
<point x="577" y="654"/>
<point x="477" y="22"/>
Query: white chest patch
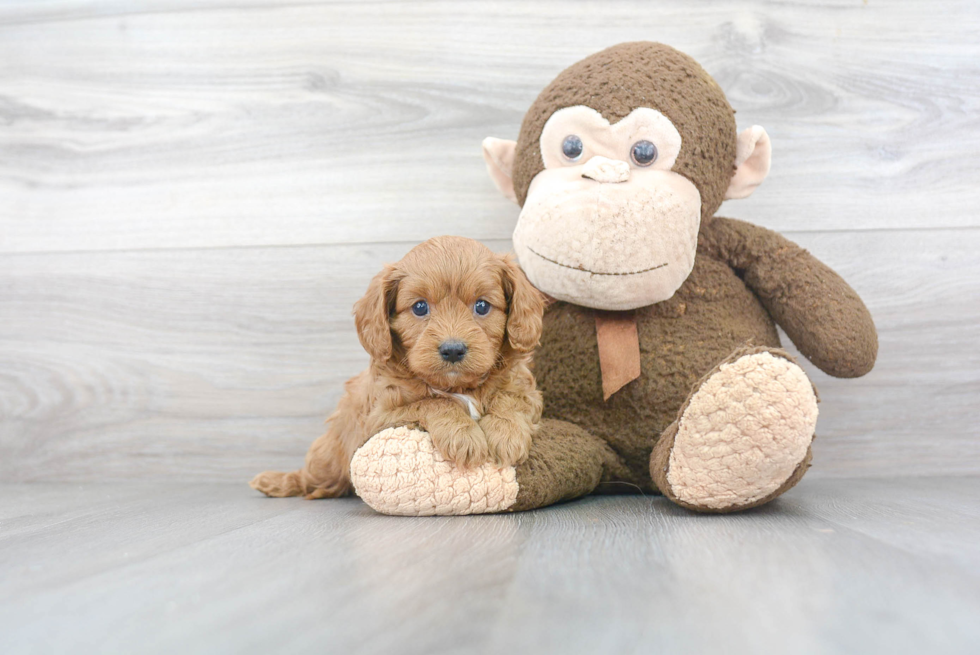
<point x="468" y="401"/>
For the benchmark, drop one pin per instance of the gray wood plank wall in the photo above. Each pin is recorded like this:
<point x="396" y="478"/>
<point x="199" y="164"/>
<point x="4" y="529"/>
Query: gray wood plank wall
<point x="192" y="195"/>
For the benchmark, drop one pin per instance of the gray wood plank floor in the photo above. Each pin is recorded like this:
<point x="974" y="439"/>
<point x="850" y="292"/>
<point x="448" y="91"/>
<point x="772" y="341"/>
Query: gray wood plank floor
<point x="848" y="566"/>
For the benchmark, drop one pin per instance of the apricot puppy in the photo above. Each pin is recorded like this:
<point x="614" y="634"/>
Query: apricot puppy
<point x="450" y="330"/>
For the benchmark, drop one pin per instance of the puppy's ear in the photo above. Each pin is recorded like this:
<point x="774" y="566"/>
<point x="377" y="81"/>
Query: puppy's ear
<point x="372" y="314"/>
<point x="525" y="306"/>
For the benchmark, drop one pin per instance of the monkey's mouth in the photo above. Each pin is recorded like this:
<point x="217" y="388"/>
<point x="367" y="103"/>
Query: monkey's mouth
<point x="585" y="270"/>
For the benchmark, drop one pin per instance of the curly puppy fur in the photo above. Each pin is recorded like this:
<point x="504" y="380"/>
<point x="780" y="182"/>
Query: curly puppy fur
<point x="410" y="383"/>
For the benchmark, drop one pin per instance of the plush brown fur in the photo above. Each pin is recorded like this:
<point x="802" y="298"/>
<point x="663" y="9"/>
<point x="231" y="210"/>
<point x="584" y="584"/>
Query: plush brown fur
<point x="403" y="383"/>
<point x="727" y="302"/>
<point x="745" y="279"/>
<point x="624" y="77"/>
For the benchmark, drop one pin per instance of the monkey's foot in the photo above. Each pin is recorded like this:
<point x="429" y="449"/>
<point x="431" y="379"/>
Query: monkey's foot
<point x="398" y="471"/>
<point x="742" y="438"/>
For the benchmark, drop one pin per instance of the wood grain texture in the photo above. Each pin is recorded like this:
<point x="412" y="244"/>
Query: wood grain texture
<point x="855" y="566"/>
<point x="203" y="124"/>
<point x="192" y="195"/>
<point x="216" y="364"/>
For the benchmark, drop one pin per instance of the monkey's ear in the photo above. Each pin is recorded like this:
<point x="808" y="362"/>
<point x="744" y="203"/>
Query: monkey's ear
<point x="499" y="155"/>
<point x="753" y="155"/>
<point x="525" y="307"/>
<point x="371" y="314"/>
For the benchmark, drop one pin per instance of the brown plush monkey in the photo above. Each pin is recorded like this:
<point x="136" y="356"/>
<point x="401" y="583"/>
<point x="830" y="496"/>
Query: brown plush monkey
<point x="660" y="363"/>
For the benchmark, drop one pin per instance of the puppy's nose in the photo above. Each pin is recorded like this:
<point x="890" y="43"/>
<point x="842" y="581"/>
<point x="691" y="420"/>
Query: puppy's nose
<point x="605" y="170"/>
<point x="452" y="351"/>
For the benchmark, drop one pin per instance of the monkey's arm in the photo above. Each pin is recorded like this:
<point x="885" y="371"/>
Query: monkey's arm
<point x="820" y="312"/>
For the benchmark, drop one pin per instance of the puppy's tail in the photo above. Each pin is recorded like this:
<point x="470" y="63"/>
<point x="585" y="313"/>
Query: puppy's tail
<point x="329" y="484"/>
<point x="279" y="485"/>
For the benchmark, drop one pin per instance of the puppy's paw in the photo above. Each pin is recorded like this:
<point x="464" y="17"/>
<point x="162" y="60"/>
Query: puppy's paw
<point x="509" y="444"/>
<point x="464" y="443"/>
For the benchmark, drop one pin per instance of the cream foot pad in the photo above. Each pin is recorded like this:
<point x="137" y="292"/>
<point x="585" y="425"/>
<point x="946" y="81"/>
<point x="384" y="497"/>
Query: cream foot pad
<point x="398" y="471"/>
<point x="743" y="432"/>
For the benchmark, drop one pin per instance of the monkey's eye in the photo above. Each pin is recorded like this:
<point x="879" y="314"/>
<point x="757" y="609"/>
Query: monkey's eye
<point x="482" y="307"/>
<point x="572" y="147"/>
<point x="644" y="153"/>
<point x="421" y="308"/>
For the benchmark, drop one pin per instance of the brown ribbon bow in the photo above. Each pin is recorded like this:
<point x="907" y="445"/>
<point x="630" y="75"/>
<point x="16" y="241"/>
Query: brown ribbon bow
<point x="619" y="350"/>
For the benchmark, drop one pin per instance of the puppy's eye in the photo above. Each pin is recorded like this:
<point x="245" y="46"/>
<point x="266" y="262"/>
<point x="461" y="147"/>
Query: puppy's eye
<point x="421" y="308"/>
<point x="482" y="307"/>
<point x="643" y="153"/>
<point x="572" y="147"/>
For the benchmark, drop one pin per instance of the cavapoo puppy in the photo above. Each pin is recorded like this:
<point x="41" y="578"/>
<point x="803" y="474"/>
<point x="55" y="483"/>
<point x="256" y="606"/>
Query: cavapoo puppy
<point x="450" y="330"/>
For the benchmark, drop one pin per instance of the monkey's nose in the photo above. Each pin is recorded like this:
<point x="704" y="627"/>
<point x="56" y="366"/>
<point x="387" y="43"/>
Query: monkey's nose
<point x="452" y="351"/>
<point x="605" y="170"/>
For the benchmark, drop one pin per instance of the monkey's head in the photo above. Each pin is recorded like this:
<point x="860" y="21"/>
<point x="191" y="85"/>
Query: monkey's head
<point x="618" y="162"/>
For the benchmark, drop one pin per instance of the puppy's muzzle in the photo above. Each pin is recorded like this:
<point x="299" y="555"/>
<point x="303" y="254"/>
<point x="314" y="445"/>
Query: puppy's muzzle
<point x="452" y="351"/>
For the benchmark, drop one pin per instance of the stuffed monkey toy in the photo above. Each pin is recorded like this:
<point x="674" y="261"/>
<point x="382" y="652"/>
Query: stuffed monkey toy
<point x="660" y="362"/>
